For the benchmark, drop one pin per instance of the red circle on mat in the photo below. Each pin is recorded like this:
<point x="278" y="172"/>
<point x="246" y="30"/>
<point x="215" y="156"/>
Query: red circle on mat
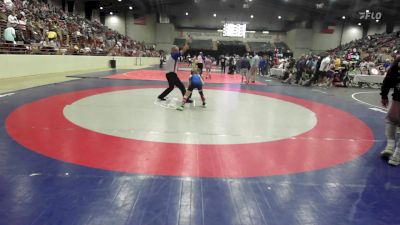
<point x="41" y="127"/>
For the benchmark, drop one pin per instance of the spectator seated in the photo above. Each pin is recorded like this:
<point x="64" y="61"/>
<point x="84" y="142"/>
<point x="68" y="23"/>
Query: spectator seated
<point x="53" y="31"/>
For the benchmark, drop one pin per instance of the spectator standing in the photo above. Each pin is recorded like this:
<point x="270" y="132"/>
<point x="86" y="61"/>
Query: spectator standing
<point x="231" y="65"/>
<point x="392" y="80"/>
<point x="267" y="65"/>
<point x="300" y="68"/>
<point x="244" y="66"/>
<point x="223" y="62"/>
<point x="208" y="63"/>
<point x="338" y="63"/>
<point x="262" y="66"/>
<point x="255" y="61"/>
<point x="324" y="67"/>
<point x="162" y="59"/>
<point x="200" y="62"/>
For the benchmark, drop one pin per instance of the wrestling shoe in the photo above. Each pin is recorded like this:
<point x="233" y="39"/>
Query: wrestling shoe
<point x="189" y="101"/>
<point x="395" y="159"/>
<point x="204" y="104"/>
<point x="162" y="99"/>
<point x="387" y="152"/>
<point x="180" y="108"/>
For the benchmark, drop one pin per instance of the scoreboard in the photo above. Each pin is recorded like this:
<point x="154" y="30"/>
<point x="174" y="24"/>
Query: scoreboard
<point x="234" y="30"/>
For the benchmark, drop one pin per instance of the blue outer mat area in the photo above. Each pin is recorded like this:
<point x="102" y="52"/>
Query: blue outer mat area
<point x="37" y="190"/>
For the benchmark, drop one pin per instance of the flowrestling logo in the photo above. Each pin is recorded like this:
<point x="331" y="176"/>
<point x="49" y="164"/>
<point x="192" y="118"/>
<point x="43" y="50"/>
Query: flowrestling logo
<point x="367" y="15"/>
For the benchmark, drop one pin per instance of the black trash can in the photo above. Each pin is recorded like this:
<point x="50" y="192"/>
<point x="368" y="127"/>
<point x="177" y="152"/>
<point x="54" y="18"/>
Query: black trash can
<point x="113" y="63"/>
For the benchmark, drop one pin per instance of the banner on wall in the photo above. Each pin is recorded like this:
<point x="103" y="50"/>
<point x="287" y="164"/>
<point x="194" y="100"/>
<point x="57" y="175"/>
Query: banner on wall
<point x="140" y="20"/>
<point x="328" y="28"/>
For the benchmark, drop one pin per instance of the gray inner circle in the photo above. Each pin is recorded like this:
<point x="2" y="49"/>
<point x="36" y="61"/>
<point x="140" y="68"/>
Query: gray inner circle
<point x="230" y="117"/>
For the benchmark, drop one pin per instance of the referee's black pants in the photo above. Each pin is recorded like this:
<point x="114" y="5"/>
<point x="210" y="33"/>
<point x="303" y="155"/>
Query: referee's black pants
<point x="173" y="80"/>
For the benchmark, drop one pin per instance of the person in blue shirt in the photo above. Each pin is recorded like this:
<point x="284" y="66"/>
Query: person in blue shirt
<point x="387" y="64"/>
<point x="262" y="66"/>
<point x="195" y="82"/>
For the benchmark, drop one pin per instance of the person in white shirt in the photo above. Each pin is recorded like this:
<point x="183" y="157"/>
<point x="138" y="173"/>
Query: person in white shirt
<point x="171" y="68"/>
<point x="12" y="19"/>
<point x="200" y="63"/>
<point x="9" y="4"/>
<point x="325" y="64"/>
<point x="324" y="68"/>
<point x="255" y="61"/>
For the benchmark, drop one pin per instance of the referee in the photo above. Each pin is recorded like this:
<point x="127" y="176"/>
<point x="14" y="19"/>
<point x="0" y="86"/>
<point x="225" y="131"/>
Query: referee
<point x="171" y="68"/>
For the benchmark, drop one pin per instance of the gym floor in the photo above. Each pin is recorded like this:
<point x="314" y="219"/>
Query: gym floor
<point x="99" y="149"/>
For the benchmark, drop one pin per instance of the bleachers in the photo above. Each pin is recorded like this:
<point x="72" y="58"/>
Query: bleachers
<point x="3" y="26"/>
<point x="202" y="44"/>
<point x="377" y="46"/>
<point x="232" y="47"/>
<point x="231" y="43"/>
<point x="74" y="34"/>
<point x="179" y="42"/>
<point x="260" y="46"/>
<point x="7" y="48"/>
<point x="281" y="45"/>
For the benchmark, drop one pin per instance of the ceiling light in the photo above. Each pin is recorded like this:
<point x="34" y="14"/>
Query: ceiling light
<point x="252" y="16"/>
<point x="343" y="17"/>
<point x="319" y="5"/>
<point x="359" y="24"/>
<point x="111" y="13"/>
<point x="187" y="14"/>
<point x="377" y="21"/>
<point x="265" y="32"/>
<point x="215" y="15"/>
<point x="279" y="17"/>
<point x="367" y="11"/>
<point x="130" y="7"/>
<point x="120" y="0"/>
<point x="101" y="7"/>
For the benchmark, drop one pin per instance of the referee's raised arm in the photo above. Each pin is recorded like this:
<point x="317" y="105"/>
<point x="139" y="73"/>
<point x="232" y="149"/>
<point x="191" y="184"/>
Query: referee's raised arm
<point x="187" y="45"/>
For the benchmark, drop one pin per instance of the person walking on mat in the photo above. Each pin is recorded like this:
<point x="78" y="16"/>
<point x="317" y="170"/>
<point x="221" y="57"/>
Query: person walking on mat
<point x="392" y="80"/>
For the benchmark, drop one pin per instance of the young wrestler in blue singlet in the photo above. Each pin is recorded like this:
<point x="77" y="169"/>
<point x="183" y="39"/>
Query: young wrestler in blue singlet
<point x="195" y="82"/>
